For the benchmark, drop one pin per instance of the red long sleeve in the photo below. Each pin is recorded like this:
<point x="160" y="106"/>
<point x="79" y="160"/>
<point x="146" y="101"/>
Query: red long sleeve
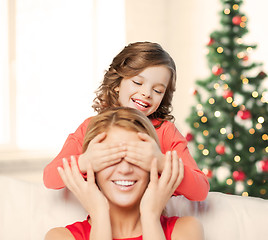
<point x="71" y="147"/>
<point x="194" y="186"/>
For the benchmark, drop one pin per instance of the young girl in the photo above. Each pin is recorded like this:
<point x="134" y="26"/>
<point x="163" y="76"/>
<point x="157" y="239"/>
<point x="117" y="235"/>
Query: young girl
<point x="141" y="76"/>
<point x="123" y="199"/>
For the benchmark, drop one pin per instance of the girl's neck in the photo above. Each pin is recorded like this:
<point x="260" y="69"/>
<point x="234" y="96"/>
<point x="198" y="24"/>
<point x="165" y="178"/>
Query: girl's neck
<point x="125" y="222"/>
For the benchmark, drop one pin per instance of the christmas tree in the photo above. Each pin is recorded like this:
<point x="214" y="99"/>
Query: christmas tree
<point x="228" y="135"/>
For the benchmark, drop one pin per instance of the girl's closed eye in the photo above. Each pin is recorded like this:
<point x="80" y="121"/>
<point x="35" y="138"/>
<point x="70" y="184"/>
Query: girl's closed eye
<point x="158" y="91"/>
<point x="136" y="82"/>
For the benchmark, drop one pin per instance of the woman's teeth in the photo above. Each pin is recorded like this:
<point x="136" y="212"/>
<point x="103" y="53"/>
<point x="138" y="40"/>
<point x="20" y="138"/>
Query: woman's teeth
<point x="124" y="183"/>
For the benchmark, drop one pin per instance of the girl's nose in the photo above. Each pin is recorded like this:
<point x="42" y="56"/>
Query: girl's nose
<point x="146" y="92"/>
<point x="124" y="167"/>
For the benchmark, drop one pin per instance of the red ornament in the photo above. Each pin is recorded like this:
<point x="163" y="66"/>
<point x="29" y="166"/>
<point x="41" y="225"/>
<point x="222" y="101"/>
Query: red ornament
<point x="216" y="70"/>
<point x="245" y="58"/>
<point x="244" y="114"/>
<point x="189" y="137"/>
<point x="236" y="20"/>
<point x="207" y="172"/>
<point x="193" y="91"/>
<point x="227" y="93"/>
<point x="262" y="75"/>
<point x="211" y="41"/>
<point x="220" y="149"/>
<point x="264" y="165"/>
<point x="239" y="175"/>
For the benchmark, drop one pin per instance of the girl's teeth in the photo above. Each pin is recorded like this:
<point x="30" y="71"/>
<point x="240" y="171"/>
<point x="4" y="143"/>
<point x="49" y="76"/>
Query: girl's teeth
<point x="141" y="103"/>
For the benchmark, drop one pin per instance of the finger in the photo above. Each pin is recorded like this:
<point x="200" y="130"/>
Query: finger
<point x="154" y="172"/>
<point x="175" y="168"/>
<point x="76" y="172"/>
<point x="99" y="138"/>
<point x="66" y="175"/>
<point x="181" y="173"/>
<point x="166" y="174"/>
<point x="145" y="137"/>
<point x="90" y="174"/>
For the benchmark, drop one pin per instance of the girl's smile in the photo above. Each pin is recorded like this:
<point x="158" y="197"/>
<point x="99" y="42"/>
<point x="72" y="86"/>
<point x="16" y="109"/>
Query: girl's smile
<point x="146" y="90"/>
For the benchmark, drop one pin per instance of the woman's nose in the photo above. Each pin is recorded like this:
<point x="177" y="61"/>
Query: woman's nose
<point x="124" y="167"/>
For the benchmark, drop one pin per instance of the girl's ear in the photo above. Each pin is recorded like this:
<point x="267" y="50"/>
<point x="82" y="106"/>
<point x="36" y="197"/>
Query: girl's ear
<point x="116" y="89"/>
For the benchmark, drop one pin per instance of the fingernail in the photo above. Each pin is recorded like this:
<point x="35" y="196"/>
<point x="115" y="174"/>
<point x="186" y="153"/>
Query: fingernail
<point x="59" y="169"/>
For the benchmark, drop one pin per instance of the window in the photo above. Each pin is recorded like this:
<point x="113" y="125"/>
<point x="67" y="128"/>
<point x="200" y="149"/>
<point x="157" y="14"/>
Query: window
<point x="53" y="56"/>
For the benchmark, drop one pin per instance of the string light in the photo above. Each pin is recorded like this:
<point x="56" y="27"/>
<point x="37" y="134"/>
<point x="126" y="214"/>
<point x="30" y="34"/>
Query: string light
<point x="196" y="125"/>
<point x="205" y="132"/>
<point x="223" y="77"/>
<point x="201" y="146"/>
<point x="266" y="149"/>
<point x="263" y="191"/>
<point x="249" y="182"/>
<point x="211" y="101"/>
<point x="261" y="119"/>
<point x="204" y="119"/>
<point x="229" y="181"/>
<point x="199" y="106"/>
<point x="245" y="194"/>
<point x="245" y="80"/>
<point x="216" y="85"/>
<point x="234" y="104"/>
<point x="239" y="40"/>
<point x="220" y="50"/>
<point x="265" y="137"/>
<point x="225" y="86"/>
<point x="237" y="158"/>
<point x="251" y="149"/>
<point x="229" y="99"/>
<point x="251" y="131"/>
<point x="242" y="25"/>
<point x="244" y="19"/>
<point x="249" y="49"/>
<point x="200" y="113"/>
<point x="222" y="130"/>
<point x="217" y="114"/>
<point x="230" y="136"/>
<point x="255" y="94"/>
<point x="235" y="7"/>
<point x="205" y="152"/>
<point x="227" y="11"/>
<point x="240" y="55"/>
<point x="259" y="126"/>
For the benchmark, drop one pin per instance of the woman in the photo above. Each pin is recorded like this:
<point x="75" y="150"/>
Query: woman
<point x="123" y="199"/>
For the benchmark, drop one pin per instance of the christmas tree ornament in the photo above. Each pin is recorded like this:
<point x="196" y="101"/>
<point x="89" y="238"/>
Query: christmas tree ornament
<point x="217" y="70"/>
<point x="264" y="165"/>
<point x="220" y="149"/>
<point x="237" y="20"/>
<point x="227" y="93"/>
<point x="244" y="114"/>
<point x="207" y="172"/>
<point x="189" y="137"/>
<point x="262" y="75"/>
<point x="239" y="175"/>
<point x="211" y="41"/>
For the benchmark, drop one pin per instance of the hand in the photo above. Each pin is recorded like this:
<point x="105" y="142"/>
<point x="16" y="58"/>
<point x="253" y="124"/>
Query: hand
<point x="86" y="191"/>
<point x="141" y="153"/>
<point x="101" y="155"/>
<point x="161" y="189"/>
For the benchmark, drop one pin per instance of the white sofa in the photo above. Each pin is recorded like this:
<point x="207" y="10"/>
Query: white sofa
<point x="29" y="210"/>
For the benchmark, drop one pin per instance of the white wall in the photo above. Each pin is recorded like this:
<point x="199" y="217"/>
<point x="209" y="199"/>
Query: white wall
<point x="183" y="28"/>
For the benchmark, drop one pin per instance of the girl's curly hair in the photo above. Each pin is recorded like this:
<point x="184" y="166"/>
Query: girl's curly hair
<point x="131" y="61"/>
